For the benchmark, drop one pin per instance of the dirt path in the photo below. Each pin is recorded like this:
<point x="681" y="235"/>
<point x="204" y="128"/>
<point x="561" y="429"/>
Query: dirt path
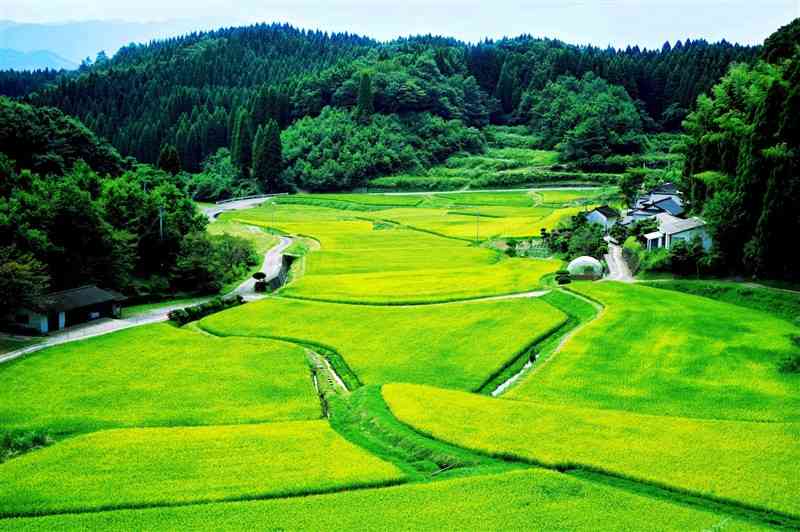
<point x="536" y="364"/>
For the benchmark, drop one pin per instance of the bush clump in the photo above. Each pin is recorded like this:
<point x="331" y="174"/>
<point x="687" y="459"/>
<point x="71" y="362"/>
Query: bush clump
<point x="185" y="315"/>
<point x="14" y="443"/>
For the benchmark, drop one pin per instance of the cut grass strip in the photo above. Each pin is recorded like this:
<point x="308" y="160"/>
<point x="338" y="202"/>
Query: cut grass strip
<point x="518" y="500"/>
<point x="782" y="303"/>
<point x="130" y="468"/>
<point x="748" y="464"/>
<point x="364" y="418"/>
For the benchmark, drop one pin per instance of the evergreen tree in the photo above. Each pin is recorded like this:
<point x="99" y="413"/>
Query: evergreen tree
<point x="169" y="160"/>
<point x="366" y="100"/>
<point x="268" y="157"/>
<point x="242" y="142"/>
<point x="505" y="87"/>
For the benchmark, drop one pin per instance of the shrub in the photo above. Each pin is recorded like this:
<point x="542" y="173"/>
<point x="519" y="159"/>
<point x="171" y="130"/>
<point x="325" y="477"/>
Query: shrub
<point x="632" y="253"/>
<point x="196" y="312"/>
<point x="790" y="364"/>
<point x="15" y="443"/>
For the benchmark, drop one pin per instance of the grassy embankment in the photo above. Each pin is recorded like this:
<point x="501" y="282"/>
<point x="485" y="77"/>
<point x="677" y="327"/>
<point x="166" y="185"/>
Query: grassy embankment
<point x="783" y="303"/>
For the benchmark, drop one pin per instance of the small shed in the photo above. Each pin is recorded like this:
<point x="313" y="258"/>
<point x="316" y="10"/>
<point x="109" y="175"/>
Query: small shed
<point x="585" y="268"/>
<point x="58" y="310"/>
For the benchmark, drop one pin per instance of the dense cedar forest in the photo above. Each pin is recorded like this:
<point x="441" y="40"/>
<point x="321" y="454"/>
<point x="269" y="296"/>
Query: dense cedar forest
<point x="271" y="108"/>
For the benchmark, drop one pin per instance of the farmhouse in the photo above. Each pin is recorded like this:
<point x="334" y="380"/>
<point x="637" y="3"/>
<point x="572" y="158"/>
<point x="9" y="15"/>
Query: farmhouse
<point x="663" y="199"/>
<point x="57" y="310"/>
<point x="672" y="229"/>
<point x="603" y="215"/>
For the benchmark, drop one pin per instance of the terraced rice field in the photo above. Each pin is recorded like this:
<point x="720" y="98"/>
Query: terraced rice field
<point x="632" y="407"/>
<point x="662" y="352"/>
<point x="454" y="345"/>
<point x="746" y="462"/>
<point x="156" y="375"/>
<point x="370" y="257"/>
<point x="519" y="500"/>
<point x="168" y="466"/>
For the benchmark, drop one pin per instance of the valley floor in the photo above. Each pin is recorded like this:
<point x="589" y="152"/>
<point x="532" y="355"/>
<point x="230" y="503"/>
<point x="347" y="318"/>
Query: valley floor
<point x="410" y="376"/>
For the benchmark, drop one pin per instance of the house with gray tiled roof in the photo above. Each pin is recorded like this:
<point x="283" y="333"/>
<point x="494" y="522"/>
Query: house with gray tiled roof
<point x="672" y="229"/>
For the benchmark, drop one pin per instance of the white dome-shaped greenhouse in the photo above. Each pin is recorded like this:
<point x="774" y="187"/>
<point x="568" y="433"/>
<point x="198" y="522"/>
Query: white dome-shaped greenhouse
<point x="585" y="266"/>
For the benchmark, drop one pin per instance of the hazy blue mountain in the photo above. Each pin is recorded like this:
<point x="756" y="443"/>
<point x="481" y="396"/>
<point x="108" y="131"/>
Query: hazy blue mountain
<point x="37" y="60"/>
<point x="78" y="40"/>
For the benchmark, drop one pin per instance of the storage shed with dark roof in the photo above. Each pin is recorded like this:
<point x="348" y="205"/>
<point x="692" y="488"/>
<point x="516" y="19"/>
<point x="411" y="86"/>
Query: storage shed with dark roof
<point x="57" y="310"/>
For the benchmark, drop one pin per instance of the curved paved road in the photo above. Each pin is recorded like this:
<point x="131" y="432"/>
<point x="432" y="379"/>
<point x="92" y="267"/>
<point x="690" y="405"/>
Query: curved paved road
<point x="272" y="267"/>
<point x="273" y="260"/>
<point x="617" y="267"/>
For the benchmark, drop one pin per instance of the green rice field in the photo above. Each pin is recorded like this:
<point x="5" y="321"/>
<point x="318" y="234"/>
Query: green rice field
<point x="156" y="375"/>
<point x="411" y="376"/>
<point x="749" y="463"/>
<point x="454" y="345"/>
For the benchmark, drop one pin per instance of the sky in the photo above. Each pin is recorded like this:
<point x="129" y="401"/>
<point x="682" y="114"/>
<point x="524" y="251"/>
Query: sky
<point x="601" y="22"/>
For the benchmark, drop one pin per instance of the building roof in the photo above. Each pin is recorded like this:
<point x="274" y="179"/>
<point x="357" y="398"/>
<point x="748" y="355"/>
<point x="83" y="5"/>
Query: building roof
<point x="74" y="298"/>
<point x="654" y="235"/>
<point x="608" y="212"/>
<point x="671" y="204"/>
<point x="671" y="225"/>
<point x="666" y="188"/>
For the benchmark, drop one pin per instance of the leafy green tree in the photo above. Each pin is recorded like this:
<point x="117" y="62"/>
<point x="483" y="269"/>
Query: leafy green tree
<point x="169" y="160"/>
<point x="194" y="269"/>
<point x="22" y="278"/>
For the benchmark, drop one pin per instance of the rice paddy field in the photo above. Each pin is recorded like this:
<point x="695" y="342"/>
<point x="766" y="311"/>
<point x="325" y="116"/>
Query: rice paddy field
<point x="746" y="462"/>
<point x="410" y="376"/>
<point x="146" y="467"/>
<point x="521" y="500"/>
<point x="668" y="353"/>
<point x="156" y="375"/>
<point x="406" y="255"/>
<point x="454" y="345"/>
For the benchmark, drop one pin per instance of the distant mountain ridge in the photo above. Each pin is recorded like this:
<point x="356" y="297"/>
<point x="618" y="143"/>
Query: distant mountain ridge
<point x="77" y="40"/>
<point x="36" y="60"/>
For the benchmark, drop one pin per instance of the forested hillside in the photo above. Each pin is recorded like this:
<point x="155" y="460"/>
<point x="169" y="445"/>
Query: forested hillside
<point x="73" y="211"/>
<point x="208" y="91"/>
<point x="743" y="163"/>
